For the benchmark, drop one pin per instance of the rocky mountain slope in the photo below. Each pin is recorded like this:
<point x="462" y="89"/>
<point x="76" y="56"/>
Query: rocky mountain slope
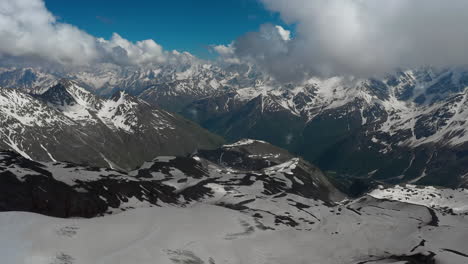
<point x="256" y="173"/>
<point x="68" y="123"/>
<point x="248" y="202"/>
<point x="408" y="127"/>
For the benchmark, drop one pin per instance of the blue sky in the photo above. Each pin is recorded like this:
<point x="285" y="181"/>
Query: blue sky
<point x="184" y="25"/>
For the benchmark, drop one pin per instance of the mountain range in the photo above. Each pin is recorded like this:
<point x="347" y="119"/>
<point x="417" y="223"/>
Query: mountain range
<point x="406" y="127"/>
<point x="103" y="152"/>
<point x="68" y="123"/>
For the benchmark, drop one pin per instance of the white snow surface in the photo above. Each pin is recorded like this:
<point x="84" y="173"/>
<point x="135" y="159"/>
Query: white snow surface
<point x="440" y="198"/>
<point x="266" y="228"/>
<point x="244" y="142"/>
<point x="211" y="234"/>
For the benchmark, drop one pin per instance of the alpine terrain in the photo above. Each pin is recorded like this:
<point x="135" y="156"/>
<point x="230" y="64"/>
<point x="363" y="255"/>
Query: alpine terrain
<point x="407" y="127"/>
<point x="234" y="132"/>
<point x="235" y="204"/>
<point x="68" y="123"/>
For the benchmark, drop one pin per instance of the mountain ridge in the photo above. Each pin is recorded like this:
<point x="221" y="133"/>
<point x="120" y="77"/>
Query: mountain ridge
<point x="399" y="123"/>
<point x="69" y="123"/>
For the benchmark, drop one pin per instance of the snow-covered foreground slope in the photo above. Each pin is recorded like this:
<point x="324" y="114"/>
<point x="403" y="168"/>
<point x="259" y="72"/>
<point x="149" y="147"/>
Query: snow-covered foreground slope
<point x="370" y="231"/>
<point x="248" y="202"/>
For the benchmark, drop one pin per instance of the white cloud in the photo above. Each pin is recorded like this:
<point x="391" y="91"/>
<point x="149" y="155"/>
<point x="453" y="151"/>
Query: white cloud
<point x="270" y="40"/>
<point x="332" y="37"/>
<point x="124" y="52"/>
<point x="30" y="32"/>
<point x="285" y="34"/>
<point x="28" y="29"/>
<point x="269" y="48"/>
<point x="360" y="37"/>
<point x="226" y="53"/>
<point x="224" y="50"/>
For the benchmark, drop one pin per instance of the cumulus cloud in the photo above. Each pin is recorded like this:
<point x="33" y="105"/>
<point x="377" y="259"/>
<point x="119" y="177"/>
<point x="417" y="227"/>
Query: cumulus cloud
<point x="269" y="48"/>
<point x="226" y="53"/>
<point x="359" y="37"/>
<point x="285" y="34"/>
<point x="28" y="29"/>
<point x="224" y="50"/>
<point x="30" y="32"/>
<point x="124" y="52"/>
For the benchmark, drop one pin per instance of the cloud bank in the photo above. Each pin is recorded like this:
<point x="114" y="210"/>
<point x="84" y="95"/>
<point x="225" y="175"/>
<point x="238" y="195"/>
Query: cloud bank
<point x="332" y="37"/>
<point x="359" y="37"/>
<point x="28" y="31"/>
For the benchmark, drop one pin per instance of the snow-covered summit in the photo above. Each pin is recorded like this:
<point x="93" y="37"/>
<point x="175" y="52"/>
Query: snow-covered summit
<point x="69" y="123"/>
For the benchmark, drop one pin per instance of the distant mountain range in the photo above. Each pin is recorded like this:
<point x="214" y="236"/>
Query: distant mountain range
<point x="171" y="87"/>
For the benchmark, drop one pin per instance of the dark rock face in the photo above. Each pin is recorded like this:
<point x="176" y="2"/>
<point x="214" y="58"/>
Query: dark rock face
<point x="428" y="258"/>
<point x="44" y="195"/>
<point x="58" y="95"/>
<point x="39" y="191"/>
